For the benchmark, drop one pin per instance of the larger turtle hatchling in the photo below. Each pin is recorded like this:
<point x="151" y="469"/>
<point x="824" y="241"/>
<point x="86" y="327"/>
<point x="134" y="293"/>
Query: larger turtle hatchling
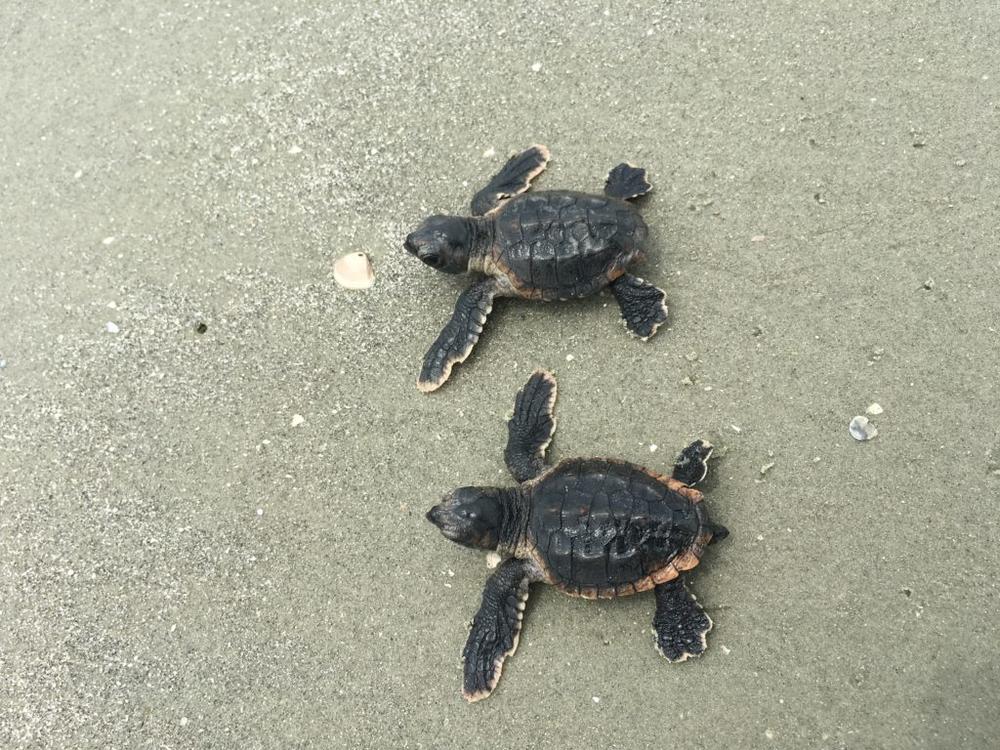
<point x="591" y="527"/>
<point x="547" y="245"/>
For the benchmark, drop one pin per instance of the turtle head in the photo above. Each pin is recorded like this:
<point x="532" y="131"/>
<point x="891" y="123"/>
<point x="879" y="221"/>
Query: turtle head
<point x="469" y="516"/>
<point x="442" y="242"/>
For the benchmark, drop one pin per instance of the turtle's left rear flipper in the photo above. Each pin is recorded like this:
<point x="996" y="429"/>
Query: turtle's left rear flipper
<point x="461" y="333"/>
<point x="642" y="305"/>
<point x="680" y="624"/>
<point x="514" y="178"/>
<point x="495" y="629"/>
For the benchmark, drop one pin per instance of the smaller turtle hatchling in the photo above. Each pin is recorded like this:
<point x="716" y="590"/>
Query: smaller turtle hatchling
<point x="591" y="527"/>
<point x="547" y="245"/>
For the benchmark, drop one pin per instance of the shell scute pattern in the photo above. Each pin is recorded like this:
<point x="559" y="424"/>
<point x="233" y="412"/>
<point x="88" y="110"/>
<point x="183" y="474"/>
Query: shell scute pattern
<point x="560" y="244"/>
<point x="604" y="525"/>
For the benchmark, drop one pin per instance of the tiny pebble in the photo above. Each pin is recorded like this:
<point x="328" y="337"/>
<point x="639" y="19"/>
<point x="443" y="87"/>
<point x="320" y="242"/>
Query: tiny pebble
<point x="929" y="284"/>
<point x="354" y="271"/>
<point x="758" y="238"/>
<point x="735" y="428"/>
<point x="570" y="357"/>
<point x="653" y="447"/>
<point x="260" y="511"/>
<point x="861" y="429"/>
<point x="536" y="66"/>
<point x="686" y="381"/>
<point x="184" y="721"/>
<point x="107" y="240"/>
<point x="766" y="468"/>
<point x="3" y="363"/>
<point x="769" y="734"/>
<point x="297" y="419"/>
<point x="596" y="699"/>
<point x="874" y="409"/>
<point x="708" y="387"/>
<point x="760" y="537"/>
<point x="489" y="153"/>
<point x="960" y="162"/>
<point x="111" y="327"/>
<point x="295" y="150"/>
<point x="78" y="174"/>
<point x="726" y="649"/>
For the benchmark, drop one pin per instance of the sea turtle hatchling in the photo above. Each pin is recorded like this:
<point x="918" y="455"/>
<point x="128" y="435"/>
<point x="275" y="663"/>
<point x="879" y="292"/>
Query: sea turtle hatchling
<point x="591" y="527"/>
<point x="546" y="245"/>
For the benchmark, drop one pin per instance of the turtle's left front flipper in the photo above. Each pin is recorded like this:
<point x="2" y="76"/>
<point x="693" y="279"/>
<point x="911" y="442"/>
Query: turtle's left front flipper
<point x="642" y="304"/>
<point x="461" y="333"/>
<point x="680" y="624"/>
<point x="495" y="629"/>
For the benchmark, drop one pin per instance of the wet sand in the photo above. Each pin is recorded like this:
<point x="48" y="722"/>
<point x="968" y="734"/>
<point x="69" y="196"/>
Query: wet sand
<point x="217" y="539"/>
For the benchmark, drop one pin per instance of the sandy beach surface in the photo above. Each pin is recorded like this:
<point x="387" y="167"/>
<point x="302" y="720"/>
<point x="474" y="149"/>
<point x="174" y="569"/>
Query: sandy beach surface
<point x="214" y="462"/>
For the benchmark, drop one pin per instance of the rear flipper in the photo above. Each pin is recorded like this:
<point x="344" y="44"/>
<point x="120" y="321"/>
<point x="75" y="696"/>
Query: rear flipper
<point x="530" y="430"/>
<point x="626" y="182"/>
<point x="514" y="178"/>
<point x="692" y="463"/>
<point x="495" y="629"/>
<point x="680" y="624"/>
<point x="455" y="342"/>
<point x="642" y="305"/>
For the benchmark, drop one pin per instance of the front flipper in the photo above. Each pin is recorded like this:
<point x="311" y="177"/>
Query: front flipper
<point x="530" y="430"/>
<point x="680" y="624"/>
<point x="455" y="342"/>
<point x="641" y="303"/>
<point x="495" y="628"/>
<point x="514" y="178"/>
<point x="692" y="463"/>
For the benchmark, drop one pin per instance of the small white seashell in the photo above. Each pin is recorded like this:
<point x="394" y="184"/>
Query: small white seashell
<point x="874" y="409"/>
<point x="354" y="271"/>
<point x="861" y="429"/>
<point x="111" y="327"/>
<point x="492" y="559"/>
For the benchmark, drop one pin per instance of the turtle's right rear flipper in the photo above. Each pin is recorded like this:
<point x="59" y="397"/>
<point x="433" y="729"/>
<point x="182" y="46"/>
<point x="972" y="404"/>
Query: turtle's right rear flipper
<point x="461" y="333"/>
<point x="626" y="182"/>
<point x="642" y="305"/>
<point x="514" y="178"/>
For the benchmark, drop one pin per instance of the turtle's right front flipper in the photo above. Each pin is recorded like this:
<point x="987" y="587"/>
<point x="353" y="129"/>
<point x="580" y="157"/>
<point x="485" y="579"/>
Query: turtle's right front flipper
<point x="458" y="337"/>
<point x="513" y="179"/>
<point x="495" y="628"/>
<point x="530" y="430"/>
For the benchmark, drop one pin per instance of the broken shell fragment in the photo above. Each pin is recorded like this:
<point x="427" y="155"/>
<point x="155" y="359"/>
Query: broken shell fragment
<point x="874" y="409"/>
<point x="354" y="271"/>
<point x="861" y="429"/>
